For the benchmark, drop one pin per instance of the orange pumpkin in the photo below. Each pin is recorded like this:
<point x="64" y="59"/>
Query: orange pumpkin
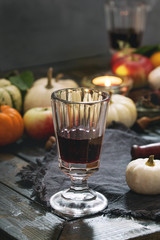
<point x="11" y="125"/>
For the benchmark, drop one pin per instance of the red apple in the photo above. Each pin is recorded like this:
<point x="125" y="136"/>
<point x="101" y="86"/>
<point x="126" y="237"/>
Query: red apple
<point x="135" y="66"/>
<point x="38" y="123"/>
<point x="120" y="54"/>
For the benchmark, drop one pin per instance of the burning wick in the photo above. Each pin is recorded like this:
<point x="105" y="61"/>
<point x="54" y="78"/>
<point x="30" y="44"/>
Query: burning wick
<point x="107" y="81"/>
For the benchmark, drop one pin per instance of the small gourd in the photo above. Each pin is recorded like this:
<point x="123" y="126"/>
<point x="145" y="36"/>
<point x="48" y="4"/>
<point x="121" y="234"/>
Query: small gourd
<point x="154" y="79"/>
<point x="143" y="175"/>
<point x="11" y="125"/>
<point x="121" y="109"/>
<point x="10" y="95"/>
<point x="39" y="95"/>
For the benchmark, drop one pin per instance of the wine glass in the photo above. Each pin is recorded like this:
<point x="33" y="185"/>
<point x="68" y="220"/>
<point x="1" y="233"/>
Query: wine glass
<point x="79" y="117"/>
<point x="125" y="22"/>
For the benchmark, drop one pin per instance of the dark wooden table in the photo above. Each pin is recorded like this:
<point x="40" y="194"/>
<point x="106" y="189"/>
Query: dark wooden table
<point x="23" y="218"/>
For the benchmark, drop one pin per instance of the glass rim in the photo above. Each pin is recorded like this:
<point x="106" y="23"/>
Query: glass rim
<point x="103" y="93"/>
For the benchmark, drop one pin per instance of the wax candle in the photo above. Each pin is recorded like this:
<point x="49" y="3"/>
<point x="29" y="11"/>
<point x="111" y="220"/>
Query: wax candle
<point x="111" y="83"/>
<point x="107" y="81"/>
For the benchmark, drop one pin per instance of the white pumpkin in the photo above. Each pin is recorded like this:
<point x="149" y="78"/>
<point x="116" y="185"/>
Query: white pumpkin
<point x="143" y="175"/>
<point x="39" y="95"/>
<point x="121" y="109"/>
<point x="154" y="79"/>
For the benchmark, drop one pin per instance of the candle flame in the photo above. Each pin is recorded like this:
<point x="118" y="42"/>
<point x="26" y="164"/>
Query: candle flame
<point x="107" y="83"/>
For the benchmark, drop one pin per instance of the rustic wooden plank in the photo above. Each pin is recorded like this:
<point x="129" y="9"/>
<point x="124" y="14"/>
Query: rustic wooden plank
<point x="5" y="156"/>
<point x="25" y="148"/>
<point x="23" y="219"/>
<point x="103" y="227"/>
<point x="10" y="165"/>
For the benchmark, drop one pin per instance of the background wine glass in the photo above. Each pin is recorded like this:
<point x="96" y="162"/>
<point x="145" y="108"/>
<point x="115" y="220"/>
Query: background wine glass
<point x="125" y="23"/>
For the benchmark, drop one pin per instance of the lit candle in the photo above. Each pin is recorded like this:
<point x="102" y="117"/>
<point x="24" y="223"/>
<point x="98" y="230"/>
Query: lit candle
<point x="108" y="82"/>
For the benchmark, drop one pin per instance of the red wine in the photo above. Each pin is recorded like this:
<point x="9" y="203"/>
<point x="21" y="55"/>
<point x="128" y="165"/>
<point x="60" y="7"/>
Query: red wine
<point x="128" y="36"/>
<point x="79" y="146"/>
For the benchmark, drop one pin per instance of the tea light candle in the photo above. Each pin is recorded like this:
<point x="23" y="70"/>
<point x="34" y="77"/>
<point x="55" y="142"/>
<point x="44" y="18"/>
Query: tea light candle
<point x="112" y="83"/>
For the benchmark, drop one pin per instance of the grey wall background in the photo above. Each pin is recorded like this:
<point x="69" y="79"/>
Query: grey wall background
<point x="39" y="32"/>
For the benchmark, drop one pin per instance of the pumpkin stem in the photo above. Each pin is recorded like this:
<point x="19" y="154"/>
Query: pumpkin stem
<point x="49" y="75"/>
<point x="110" y="93"/>
<point x="150" y="162"/>
<point x="59" y="76"/>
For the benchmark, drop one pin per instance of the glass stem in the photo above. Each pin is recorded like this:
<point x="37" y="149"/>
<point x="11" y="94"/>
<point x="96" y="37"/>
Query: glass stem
<point x="79" y="184"/>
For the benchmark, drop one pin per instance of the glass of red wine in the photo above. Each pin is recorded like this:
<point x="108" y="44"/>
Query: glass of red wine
<point x="79" y="117"/>
<point x="125" y="23"/>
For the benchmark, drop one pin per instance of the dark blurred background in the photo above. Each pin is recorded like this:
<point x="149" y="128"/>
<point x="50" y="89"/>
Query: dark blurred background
<point x="38" y="32"/>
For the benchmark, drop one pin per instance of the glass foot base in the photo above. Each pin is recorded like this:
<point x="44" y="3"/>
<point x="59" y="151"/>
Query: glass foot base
<point x="78" y="208"/>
